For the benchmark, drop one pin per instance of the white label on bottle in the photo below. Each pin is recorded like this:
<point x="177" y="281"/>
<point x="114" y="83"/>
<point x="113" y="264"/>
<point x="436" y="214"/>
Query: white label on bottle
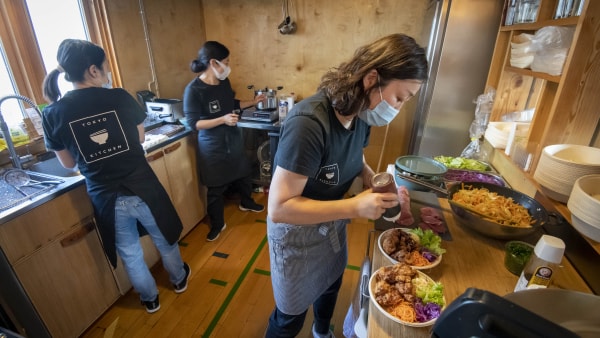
<point x="539" y="279"/>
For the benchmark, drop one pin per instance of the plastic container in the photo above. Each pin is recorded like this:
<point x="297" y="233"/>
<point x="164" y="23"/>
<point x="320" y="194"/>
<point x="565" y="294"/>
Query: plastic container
<point x="542" y="265"/>
<point x="517" y="254"/>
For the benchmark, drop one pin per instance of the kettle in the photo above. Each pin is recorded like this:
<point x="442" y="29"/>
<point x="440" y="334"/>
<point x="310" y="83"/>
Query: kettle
<point x="270" y="101"/>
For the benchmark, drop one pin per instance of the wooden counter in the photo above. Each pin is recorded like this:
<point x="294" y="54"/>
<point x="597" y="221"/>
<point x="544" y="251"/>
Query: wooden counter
<point x="471" y="260"/>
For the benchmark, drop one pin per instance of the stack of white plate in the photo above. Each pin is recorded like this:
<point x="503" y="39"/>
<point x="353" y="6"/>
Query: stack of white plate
<point x="498" y="133"/>
<point x="584" y="204"/>
<point x="521" y="53"/>
<point x="561" y="165"/>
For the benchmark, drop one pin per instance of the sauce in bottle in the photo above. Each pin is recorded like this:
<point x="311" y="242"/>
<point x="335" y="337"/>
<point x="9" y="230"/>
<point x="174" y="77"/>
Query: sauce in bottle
<point x="384" y="182"/>
<point x="542" y="265"/>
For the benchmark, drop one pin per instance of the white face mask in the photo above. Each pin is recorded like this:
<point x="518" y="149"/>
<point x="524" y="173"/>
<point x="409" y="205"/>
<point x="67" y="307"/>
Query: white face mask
<point x="382" y="115"/>
<point x="226" y="71"/>
<point x="108" y="84"/>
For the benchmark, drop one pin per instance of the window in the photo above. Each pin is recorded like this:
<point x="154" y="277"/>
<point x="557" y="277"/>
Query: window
<point x="10" y="108"/>
<point x="49" y="34"/>
<point x="30" y="32"/>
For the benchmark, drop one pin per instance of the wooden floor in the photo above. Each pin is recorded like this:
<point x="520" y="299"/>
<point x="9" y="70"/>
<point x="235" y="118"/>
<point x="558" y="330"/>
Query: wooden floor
<point x="229" y="292"/>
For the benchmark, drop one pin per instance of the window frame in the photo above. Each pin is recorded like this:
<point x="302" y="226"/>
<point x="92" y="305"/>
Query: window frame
<point x="23" y="54"/>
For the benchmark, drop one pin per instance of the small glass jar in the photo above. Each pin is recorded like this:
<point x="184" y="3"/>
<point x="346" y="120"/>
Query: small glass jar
<point x="517" y="254"/>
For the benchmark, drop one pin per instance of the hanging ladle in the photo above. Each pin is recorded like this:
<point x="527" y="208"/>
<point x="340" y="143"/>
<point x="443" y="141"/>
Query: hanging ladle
<point x="19" y="179"/>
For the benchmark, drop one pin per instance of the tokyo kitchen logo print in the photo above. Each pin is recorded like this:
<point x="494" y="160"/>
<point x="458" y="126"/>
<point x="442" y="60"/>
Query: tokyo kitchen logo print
<point x="99" y="136"/>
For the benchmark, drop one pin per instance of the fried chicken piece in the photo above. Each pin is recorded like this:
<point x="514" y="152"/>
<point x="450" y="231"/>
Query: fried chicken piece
<point x="399" y="244"/>
<point x="393" y="284"/>
<point x="386" y="294"/>
<point x="390" y="242"/>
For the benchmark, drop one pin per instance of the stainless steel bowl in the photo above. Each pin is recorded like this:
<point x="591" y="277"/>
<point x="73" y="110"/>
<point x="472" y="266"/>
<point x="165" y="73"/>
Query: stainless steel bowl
<point x="493" y="229"/>
<point x="422" y="168"/>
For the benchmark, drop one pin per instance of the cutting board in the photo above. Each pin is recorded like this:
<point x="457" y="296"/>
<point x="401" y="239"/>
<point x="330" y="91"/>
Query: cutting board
<point x="418" y="200"/>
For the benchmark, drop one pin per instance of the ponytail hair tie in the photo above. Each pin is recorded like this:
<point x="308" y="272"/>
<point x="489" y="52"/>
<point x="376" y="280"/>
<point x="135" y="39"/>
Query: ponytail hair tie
<point x="60" y="69"/>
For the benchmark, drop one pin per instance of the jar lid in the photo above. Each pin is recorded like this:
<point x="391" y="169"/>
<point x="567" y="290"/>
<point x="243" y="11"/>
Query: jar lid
<point x="550" y="248"/>
<point x="419" y="165"/>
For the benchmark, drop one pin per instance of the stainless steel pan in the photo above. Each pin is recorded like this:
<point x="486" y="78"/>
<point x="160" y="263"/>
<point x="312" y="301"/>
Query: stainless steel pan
<point x="481" y="224"/>
<point x="490" y="228"/>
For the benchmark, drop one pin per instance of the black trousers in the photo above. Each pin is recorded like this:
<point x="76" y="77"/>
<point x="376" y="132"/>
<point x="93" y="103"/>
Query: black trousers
<point x="216" y="199"/>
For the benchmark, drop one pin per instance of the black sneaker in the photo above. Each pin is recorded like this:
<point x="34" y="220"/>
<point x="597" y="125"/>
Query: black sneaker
<point x="213" y="234"/>
<point x="152" y="306"/>
<point x="182" y="286"/>
<point x="254" y="207"/>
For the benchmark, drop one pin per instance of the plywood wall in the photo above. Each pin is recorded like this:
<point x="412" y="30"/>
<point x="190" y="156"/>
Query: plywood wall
<point x="328" y="33"/>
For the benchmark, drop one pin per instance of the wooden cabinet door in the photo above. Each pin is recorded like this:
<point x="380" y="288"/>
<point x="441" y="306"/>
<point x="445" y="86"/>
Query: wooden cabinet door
<point x="186" y="193"/>
<point x="69" y="281"/>
<point x="156" y="159"/>
<point x="21" y="236"/>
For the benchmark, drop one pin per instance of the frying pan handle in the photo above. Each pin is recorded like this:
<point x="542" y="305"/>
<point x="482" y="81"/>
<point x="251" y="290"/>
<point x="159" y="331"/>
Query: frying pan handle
<point x="555" y="218"/>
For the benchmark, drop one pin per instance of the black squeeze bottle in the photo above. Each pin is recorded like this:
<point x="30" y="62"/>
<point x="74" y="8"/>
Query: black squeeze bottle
<point x="384" y="182"/>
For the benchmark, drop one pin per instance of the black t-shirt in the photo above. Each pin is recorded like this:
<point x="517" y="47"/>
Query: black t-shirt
<point x="99" y="128"/>
<point x="206" y="102"/>
<point x="315" y="144"/>
<point x="221" y="158"/>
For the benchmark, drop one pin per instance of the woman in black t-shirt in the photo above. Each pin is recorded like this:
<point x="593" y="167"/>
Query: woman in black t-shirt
<point x="100" y="130"/>
<point x="208" y="104"/>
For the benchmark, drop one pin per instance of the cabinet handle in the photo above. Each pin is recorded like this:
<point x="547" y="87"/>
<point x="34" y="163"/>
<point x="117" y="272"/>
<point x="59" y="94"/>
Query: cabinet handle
<point x="77" y="235"/>
<point x="154" y="156"/>
<point x="172" y="148"/>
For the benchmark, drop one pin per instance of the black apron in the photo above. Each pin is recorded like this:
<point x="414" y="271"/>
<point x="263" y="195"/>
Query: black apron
<point x="143" y="183"/>
<point x="221" y="157"/>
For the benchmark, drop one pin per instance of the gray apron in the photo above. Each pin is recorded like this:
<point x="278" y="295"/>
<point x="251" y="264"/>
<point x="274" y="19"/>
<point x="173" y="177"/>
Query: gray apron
<point x="305" y="261"/>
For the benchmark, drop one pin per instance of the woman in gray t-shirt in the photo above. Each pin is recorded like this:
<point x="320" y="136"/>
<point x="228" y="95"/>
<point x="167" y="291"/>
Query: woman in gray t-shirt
<point x="319" y="155"/>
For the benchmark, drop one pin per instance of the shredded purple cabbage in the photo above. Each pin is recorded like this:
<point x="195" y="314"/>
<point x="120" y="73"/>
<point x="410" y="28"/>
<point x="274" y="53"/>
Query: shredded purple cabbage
<point x="471" y="176"/>
<point x="429" y="256"/>
<point x="427" y="312"/>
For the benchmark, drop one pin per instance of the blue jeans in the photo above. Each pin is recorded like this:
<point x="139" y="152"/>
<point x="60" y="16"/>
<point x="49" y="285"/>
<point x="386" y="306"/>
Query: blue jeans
<point x="129" y="210"/>
<point x="284" y="325"/>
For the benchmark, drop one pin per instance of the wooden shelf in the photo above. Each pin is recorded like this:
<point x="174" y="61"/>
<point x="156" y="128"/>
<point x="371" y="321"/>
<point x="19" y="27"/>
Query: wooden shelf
<point x="529" y="72"/>
<point x="566" y="105"/>
<point x="571" y="21"/>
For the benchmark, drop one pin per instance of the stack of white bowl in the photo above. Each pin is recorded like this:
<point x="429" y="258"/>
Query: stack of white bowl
<point x="521" y="54"/>
<point x="584" y="204"/>
<point x="561" y="165"/>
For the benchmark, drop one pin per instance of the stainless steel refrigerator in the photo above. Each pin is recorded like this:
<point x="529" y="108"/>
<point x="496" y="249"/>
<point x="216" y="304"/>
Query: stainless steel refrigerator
<point x="460" y="43"/>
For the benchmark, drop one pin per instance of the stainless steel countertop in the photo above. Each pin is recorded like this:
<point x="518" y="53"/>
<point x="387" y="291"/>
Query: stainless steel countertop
<point x="69" y="184"/>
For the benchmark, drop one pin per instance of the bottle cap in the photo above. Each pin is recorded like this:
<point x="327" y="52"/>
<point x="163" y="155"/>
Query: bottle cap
<point x="550" y="248"/>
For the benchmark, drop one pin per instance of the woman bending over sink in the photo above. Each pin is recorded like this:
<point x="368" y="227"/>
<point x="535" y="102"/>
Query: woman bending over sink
<point x="101" y="130"/>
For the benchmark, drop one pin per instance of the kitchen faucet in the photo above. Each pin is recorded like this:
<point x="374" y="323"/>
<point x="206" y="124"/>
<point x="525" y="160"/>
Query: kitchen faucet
<point x="15" y="158"/>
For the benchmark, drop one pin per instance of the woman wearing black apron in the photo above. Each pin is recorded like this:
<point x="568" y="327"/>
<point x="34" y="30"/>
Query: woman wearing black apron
<point x="208" y="104"/>
<point x="100" y="130"/>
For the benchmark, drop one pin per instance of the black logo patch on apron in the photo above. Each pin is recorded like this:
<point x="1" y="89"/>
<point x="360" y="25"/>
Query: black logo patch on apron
<point x="329" y="174"/>
<point x="99" y="136"/>
<point x="214" y="106"/>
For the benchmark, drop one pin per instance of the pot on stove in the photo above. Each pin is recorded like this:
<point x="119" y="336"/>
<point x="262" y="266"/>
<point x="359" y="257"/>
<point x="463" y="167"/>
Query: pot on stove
<point x="270" y="102"/>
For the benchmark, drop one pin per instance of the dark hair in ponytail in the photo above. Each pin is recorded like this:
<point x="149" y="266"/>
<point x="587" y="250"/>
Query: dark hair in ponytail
<point x="210" y="50"/>
<point x="74" y="58"/>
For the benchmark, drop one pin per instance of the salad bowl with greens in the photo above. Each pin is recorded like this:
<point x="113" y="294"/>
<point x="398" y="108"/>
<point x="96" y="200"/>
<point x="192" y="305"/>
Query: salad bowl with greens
<point x="417" y="304"/>
<point x="463" y="163"/>
<point x="421" y="249"/>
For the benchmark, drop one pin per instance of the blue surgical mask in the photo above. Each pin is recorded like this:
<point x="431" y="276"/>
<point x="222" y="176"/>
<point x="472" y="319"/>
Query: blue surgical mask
<point x="382" y="115"/>
<point x="109" y="83"/>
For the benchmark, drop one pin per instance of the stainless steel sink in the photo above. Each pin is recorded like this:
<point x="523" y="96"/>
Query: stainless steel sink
<point x="51" y="166"/>
<point x="15" y="191"/>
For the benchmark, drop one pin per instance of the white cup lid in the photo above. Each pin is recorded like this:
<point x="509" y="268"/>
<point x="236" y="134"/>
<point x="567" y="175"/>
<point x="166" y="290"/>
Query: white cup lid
<point x="550" y="248"/>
